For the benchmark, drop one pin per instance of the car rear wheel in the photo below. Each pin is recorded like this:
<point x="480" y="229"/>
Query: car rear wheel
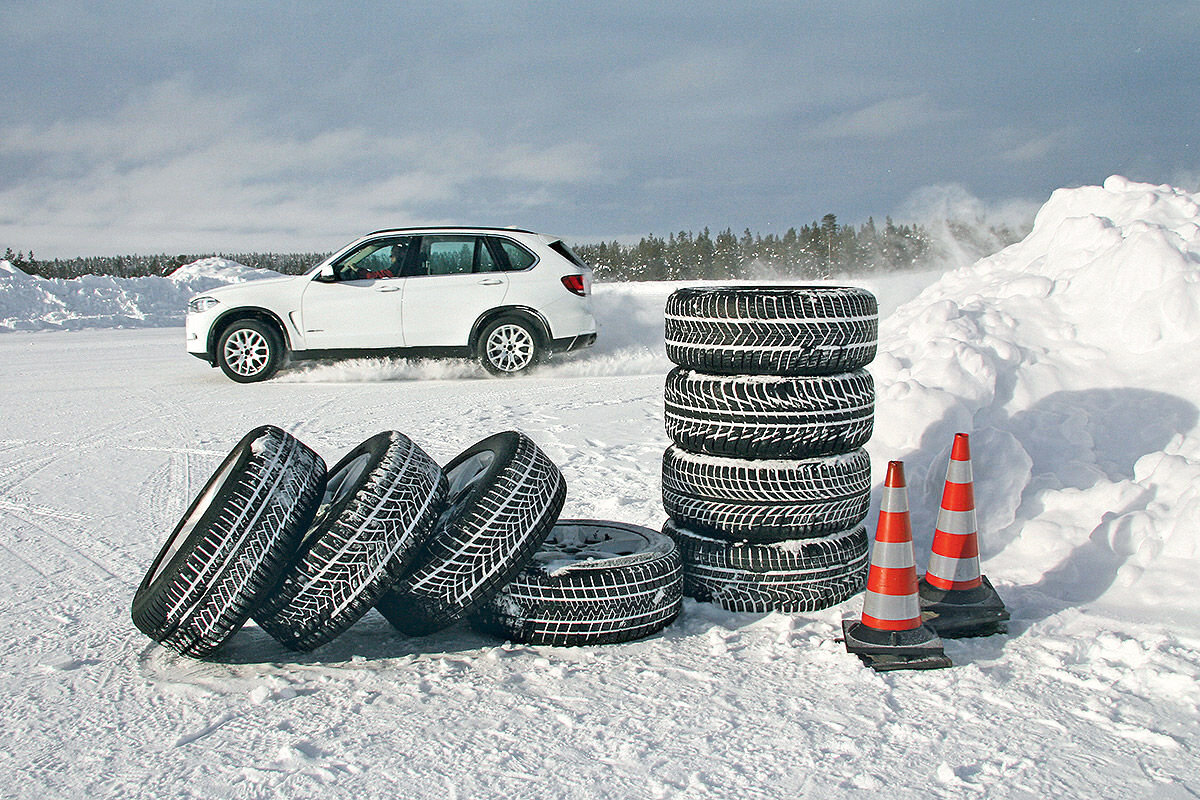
<point x="509" y="345"/>
<point x="248" y="351"/>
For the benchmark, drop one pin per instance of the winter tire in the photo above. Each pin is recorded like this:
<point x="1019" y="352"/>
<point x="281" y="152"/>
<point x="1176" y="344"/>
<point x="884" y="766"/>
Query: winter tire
<point x="769" y="417"/>
<point x="381" y="501"/>
<point x="249" y="351"/>
<point x="233" y="544"/>
<point x="504" y="496"/>
<point x="592" y="582"/>
<point x="793" y="576"/>
<point x="766" y="500"/>
<point x="509" y="345"/>
<point x="784" y="330"/>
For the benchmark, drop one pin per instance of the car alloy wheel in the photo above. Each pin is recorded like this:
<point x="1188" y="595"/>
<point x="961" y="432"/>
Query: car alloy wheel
<point x="509" y="347"/>
<point x="247" y="352"/>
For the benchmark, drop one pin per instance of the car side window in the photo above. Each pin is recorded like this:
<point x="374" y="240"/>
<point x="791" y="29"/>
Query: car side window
<point x="382" y="258"/>
<point x="452" y="255"/>
<point x="518" y="257"/>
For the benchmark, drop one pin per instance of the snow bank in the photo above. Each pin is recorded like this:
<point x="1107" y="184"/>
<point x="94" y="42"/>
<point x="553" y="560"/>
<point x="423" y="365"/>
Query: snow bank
<point x="29" y="302"/>
<point x="1068" y="356"/>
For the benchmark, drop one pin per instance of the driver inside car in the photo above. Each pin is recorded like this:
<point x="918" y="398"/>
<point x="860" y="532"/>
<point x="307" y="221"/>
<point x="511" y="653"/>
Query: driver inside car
<point x="364" y="272"/>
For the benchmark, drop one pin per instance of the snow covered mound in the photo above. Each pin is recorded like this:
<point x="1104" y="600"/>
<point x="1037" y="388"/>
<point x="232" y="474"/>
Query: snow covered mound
<point x="219" y="269"/>
<point x="1071" y="357"/>
<point x="29" y="302"/>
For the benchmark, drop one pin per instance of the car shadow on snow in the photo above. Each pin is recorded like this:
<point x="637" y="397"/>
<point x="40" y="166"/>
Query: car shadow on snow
<point x="1068" y="445"/>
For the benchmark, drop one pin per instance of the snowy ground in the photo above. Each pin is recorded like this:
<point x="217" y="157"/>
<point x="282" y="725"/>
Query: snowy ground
<point x="1070" y="357"/>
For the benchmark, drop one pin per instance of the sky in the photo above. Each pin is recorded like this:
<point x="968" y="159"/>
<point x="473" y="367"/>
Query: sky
<point x="161" y="127"/>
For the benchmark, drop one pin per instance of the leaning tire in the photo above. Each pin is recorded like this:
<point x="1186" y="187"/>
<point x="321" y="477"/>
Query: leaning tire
<point x="785" y="330"/>
<point x="233" y="544"/>
<point x="803" y="575"/>
<point x="766" y="500"/>
<point x="380" y="505"/>
<point x="504" y="496"/>
<point x="509" y="345"/>
<point x="249" y="351"/>
<point x="769" y="417"/>
<point x="592" y="582"/>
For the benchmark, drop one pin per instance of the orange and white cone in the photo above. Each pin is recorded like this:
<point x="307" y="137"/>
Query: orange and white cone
<point x="956" y="598"/>
<point x="891" y="634"/>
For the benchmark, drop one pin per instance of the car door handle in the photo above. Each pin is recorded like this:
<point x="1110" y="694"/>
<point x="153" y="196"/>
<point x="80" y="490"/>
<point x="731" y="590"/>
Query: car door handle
<point x="490" y="282"/>
<point x="387" y="287"/>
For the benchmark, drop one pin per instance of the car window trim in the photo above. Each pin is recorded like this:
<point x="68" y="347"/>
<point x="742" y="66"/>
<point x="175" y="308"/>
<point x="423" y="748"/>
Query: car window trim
<point x="496" y="240"/>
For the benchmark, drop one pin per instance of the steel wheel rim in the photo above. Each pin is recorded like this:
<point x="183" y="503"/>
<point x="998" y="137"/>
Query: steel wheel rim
<point x="247" y="352"/>
<point x="510" y="348"/>
<point x="586" y="542"/>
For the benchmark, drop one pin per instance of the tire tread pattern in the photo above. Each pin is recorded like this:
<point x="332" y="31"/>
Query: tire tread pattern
<point x="601" y="604"/>
<point x="474" y="552"/>
<point x="766" y="500"/>
<point x="797" y="330"/>
<point x="798" y="576"/>
<point x="351" y="560"/>
<point x="755" y="417"/>
<point x="239" y="547"/>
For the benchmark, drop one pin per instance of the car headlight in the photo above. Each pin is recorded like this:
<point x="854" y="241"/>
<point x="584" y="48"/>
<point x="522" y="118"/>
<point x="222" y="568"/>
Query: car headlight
<point x="200" y="304"/>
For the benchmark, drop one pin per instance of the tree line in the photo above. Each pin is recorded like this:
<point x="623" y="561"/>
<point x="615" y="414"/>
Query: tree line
<point x="141" y="266"/>
<point x="822" y="249"/>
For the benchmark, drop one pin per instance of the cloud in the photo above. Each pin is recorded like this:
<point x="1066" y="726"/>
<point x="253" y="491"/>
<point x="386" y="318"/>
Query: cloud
<point x="884" y="119"/>
<point x="1035" y="148"/>
<point x="177" y="169"/>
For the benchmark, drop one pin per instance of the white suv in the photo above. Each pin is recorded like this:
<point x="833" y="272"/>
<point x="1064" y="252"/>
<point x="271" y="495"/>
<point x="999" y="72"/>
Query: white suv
<point x="508" y="296"/>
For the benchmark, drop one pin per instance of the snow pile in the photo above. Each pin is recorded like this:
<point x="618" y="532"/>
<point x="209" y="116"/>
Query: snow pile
<point x="220" y="270"/>
<point x="29" y="302"/>
<point x="1068" y="355"/>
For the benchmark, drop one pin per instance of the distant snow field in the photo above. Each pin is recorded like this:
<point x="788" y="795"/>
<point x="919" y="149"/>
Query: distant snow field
<point x="1071" y="358"/>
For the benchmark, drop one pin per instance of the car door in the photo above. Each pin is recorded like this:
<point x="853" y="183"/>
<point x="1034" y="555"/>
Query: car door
<point x="452" y="279"/>
<point x="360" y="306"/>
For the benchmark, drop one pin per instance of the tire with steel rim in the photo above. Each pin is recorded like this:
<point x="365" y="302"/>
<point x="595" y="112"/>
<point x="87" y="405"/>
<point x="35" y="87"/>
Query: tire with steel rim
<point x="504" y="496"/>
<point x="509" y="345"/>
<point x="591" y="582"/>
<point x="249" y="350"/>
<point x="764" y="416"/>
<point x="772" y="330"/>
<point x="233" y="544"/>
<point x="766" y="500"/>
<point x="791" y="576"/>
<point x="380" y="503"/>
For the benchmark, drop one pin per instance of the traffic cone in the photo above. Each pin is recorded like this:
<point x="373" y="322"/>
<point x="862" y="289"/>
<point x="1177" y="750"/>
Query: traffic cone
<point x="956" y="599"/>
<point x="891" y="634"/>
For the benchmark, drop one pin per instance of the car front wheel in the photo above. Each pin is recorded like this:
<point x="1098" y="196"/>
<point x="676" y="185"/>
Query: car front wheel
<point x="508" y="346"/>
<point x="248" y="351"/>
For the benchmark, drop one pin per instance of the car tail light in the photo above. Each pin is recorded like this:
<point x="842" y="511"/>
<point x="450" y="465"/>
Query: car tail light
<point x="575" y="284"/>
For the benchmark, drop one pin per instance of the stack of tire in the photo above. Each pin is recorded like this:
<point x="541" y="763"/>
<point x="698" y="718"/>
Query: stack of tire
<point x="767" y="484"/>
<point x="306" y="551"/>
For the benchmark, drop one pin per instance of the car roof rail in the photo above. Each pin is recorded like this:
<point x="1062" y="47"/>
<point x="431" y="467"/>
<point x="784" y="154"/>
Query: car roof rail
<point x="451" y="228"/>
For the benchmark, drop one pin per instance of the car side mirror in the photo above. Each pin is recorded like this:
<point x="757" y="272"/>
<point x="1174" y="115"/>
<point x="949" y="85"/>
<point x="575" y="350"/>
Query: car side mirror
<point x="326" y="274"/>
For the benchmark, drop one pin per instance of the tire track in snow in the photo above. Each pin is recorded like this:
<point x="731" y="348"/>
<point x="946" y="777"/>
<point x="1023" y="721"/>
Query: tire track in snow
<point x="60" y="561"/>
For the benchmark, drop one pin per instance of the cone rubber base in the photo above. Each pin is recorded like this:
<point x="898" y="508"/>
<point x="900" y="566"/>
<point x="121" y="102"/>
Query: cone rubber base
<point x="885" y="651"/>
<point x="957" y="614"/>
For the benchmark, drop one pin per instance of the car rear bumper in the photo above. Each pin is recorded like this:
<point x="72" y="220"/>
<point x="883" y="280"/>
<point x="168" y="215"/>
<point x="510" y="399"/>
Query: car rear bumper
<point x="573" y="342"/>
